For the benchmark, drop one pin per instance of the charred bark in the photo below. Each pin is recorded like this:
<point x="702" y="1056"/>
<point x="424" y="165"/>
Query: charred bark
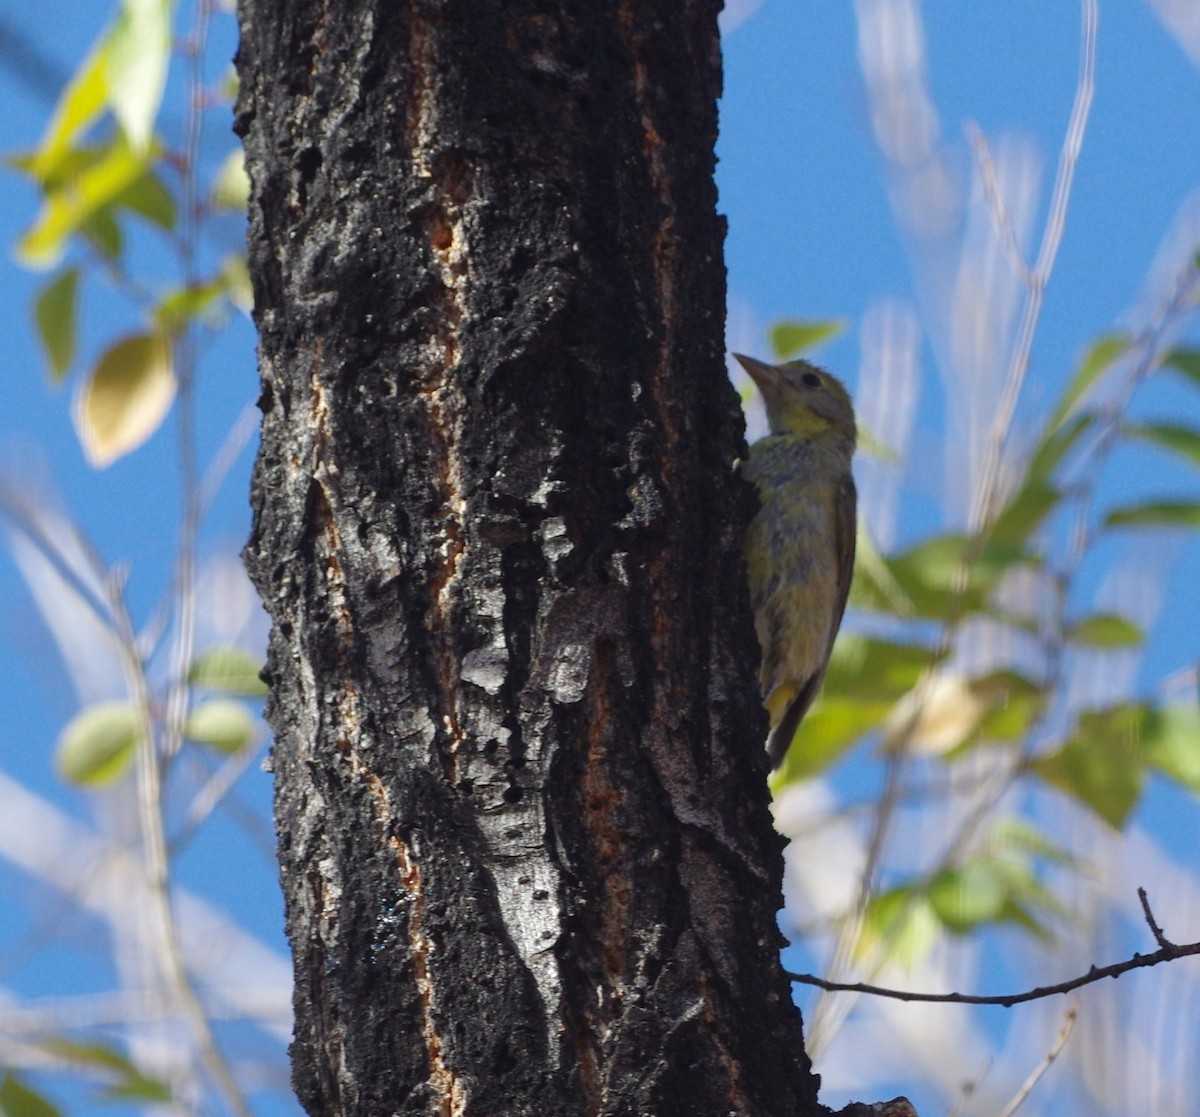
<point x="526" y="851"/>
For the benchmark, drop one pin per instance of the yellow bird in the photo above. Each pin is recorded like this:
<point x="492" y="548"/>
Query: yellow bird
<point x="800" y="545"/>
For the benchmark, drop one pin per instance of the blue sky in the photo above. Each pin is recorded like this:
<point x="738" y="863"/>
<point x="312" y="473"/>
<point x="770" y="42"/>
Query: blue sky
<point x="812" y="234"/>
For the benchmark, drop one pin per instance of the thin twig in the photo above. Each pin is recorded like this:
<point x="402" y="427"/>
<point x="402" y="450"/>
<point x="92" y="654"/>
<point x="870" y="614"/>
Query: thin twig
<point x="1155" y="929"/>
<point x="1038" y="279"/>
<point x="991" y="189"/>
<point x="1035" y="1076"/>
<point x="1167" y="952"/>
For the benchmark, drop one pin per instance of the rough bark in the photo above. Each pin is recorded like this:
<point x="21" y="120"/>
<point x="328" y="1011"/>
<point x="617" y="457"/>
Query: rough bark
<point x="520" y="785"/>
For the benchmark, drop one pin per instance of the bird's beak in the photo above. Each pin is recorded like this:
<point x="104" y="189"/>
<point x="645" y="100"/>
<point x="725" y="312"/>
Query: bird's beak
<point x="764" y="375"/>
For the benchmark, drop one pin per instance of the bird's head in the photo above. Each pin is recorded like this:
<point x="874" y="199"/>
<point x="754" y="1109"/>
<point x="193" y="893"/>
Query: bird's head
<point x="802" y="399"/>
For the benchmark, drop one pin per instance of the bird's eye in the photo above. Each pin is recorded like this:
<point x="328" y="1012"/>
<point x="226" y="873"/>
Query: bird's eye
<point x="810" y="380"/>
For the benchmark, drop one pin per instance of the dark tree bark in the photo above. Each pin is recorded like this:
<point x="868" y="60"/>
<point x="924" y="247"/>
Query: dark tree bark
<point x="520" y="783"/>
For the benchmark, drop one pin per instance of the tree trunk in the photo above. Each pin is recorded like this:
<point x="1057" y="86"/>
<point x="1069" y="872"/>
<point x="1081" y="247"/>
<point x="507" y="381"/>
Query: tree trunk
<point x="520" y="784"/>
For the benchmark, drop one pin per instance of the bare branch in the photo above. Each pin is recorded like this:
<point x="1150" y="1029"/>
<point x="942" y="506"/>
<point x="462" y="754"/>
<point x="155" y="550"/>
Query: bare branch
<point x="1056" y="1047"/>
<point x="1167" y="952"/>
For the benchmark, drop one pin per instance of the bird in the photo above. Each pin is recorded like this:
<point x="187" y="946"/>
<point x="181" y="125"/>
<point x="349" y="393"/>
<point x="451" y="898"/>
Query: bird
<point x="799" y="547"/>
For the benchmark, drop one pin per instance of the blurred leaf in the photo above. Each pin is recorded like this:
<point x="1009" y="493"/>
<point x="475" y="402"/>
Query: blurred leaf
<point x="935" y="717"/>
<point x="138" y="51"/>
<point x="899" y="925"/>
<point x="1096" y="361"/>
<point x="1171" y="740"/>
<point x="229" y="671"/>
<point x="222" y="724"/>
<point x="1025" y="513"/>
<point x="975" y="893"/>
<point x="869" y="444"/>
<point x="188" y="304"/>
<point x="231" y="186"/>
<point x="944" y="574"/>
<point x="138" y="1087"/>
<point x="1184" y="441"/>
<point x="99" y="1055"/>
<point x="990" y="889"/>
<point x="129" y="1080"/>
<point x="97" y="746"/>
<point x="1166" y="513"/>
<point x="18" y="1100"/>
<point x="874" y="670"/>
<point x="874" y="586"/>
<point x="81" y="102"/>
<point x="149" y="198"/>
<point x="236" y="278"/>
<point x="794" y="336"/>
<point x="103" y="233"/>
<point x="124" y="400"/>
<point x="1057" y="444"/>
<point x="827" y="731"/>
<point x="54" y="311"/>
<point x="1101" y="763"/>
<point x="1019" y="835"/>
<point x="1104" y="630"/>
<point x="1014" y="705"/>
<point x="1185" y="361"/>
<point x="68" y="206"/>
<point x="227" y="87"/>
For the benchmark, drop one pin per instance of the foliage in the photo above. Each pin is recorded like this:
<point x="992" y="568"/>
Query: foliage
<point x="115" y="188"/>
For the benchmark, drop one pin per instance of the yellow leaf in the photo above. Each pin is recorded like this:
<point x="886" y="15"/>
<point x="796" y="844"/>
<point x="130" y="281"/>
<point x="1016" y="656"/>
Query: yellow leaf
<point x="124" y="400"/>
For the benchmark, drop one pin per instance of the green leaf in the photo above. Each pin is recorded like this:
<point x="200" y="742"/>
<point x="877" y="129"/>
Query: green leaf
<point x="149" y="198"/>
<point x="1185" y="361"/>
<point x="1025" y="512"/>
<point x="187" y="304"/>
<point x="222" y="724"/>
<point x="138" y="51"/>
<point x="869" y="444"/>
<point x="1184" y="441"/>
<point x="236" y="278"/>
<point x="18" y="1100"/>
<point x="54" y="311"/>
<point x="124" y="400"/>
<point x="827" y="731"/>
<point x="793" y="336"/>
<point x="97" y="746"/>
<point x="1096" y="361"/>
<point x="68" y="206"/>
<point x="874" y="670"/>
<point x="1104" y="630"/>
<point x="1014" y="703"/>
<point x="944" y="574"/>
<point x="900" y="925"/>
<point x="1014" y="835"/>
<point x="103" y="233"/>
<point x="875" y="586"/>
<point x="1166" y="513"/>
<point x="81" y="102"/>
<point x="231" y="187"/>
<point x="1101" y="763"/>
<point x="1057" y="443"/>
<point x="977" y="892"/>
<point x="1171" y="740"/>
<point x="228" y="670"/>
<point x="129" y="1081"/>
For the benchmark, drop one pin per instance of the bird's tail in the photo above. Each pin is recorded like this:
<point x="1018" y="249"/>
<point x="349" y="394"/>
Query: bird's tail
<point x="781" y="736"/>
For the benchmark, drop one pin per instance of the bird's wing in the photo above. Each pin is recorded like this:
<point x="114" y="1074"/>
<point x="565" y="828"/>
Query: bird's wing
<point x="845" y="524"/>
<point x="845" y="531"/>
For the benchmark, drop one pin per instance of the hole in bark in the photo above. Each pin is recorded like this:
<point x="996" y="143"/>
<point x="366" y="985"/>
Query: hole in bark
<point x="512" y="794"/>
<point x="467" y="787"/>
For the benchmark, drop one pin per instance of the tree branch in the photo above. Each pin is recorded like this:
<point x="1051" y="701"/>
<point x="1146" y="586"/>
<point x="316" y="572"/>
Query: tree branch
<point x="1167" y="952"/>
